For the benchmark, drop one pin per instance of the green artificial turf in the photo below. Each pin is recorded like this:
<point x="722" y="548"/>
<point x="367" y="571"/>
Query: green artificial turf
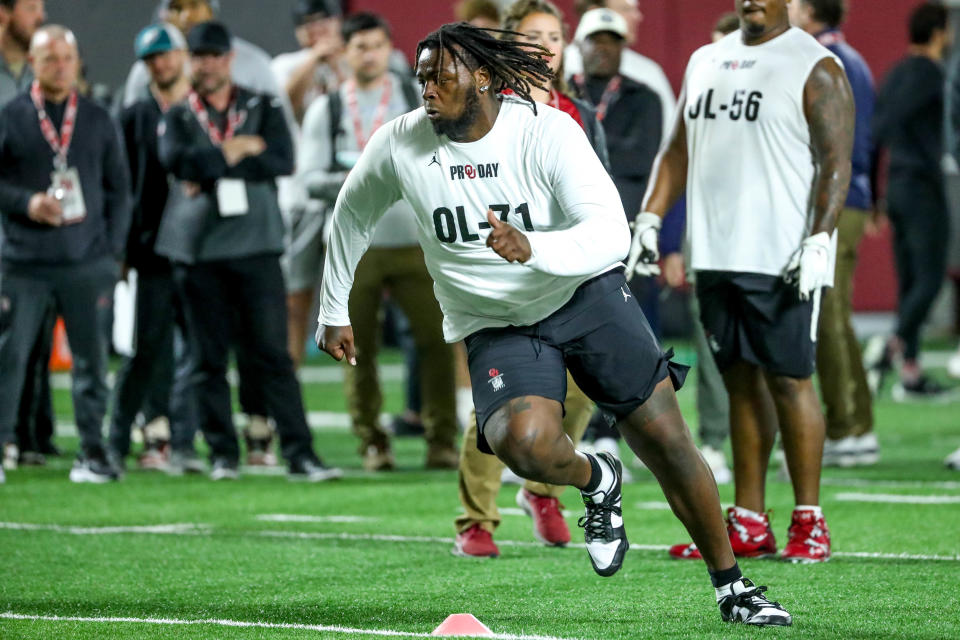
<point x="227" y="564"/>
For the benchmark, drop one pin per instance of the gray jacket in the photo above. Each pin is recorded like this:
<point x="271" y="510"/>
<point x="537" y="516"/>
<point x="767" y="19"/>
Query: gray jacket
<point x="192" y="229"/>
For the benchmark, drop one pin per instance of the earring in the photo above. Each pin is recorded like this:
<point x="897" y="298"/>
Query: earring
<point x="484" y="89"/>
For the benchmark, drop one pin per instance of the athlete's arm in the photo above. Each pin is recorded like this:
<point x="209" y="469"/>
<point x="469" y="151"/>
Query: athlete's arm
<point x="829" y="109"/>
<point x="668" y="178"/>
<point x="370" y="189"/>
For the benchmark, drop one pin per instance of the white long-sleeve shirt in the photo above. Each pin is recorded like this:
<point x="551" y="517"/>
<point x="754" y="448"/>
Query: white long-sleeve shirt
<point x="538" y="170"/>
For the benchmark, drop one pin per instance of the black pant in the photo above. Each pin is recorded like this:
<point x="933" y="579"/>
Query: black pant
<point x="35" y="423"/>
<point x="242" y="301"/>
<point x="921" y="233"/>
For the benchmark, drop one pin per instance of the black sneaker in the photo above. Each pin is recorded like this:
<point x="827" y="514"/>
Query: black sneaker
<point x="404" y="428"/>
<point x="224" y="469"/>
<point x="743" y="601"/>
<point x="93" y="467"/>
<point x="603" y="524"/>
<point x="312" y="470"/>
<point x="923" y="388"/>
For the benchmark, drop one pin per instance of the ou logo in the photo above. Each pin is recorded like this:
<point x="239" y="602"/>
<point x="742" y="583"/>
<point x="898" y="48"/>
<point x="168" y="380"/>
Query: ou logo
<point x="470" y="171"/>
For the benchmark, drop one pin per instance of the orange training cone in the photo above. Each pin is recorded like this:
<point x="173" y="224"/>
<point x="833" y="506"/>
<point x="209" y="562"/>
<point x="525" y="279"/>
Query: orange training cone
<point x="462" y="624"/>
<point x="60" y="358"/>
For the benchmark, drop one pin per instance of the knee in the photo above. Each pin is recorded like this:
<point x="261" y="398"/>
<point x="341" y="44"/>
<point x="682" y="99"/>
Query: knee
<point x="786" y="388"/>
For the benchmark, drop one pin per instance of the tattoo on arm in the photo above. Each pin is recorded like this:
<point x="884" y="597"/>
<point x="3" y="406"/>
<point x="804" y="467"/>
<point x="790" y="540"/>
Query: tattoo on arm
<point x="829" y="108"/>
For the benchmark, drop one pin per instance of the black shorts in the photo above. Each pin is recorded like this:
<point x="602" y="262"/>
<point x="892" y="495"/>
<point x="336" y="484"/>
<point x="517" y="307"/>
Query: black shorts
<point x="600" y="335"/>
<point x="759" y="319"/>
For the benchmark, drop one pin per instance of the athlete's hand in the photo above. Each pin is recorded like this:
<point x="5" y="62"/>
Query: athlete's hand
<point x="644" y="248"/>
<point x="810" y="265"/>
<point x="338" y="342"/>
<point x="508" y="241"/>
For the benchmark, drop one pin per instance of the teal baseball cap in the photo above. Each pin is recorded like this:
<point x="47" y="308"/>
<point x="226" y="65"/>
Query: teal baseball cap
<point x="158" y="38"/>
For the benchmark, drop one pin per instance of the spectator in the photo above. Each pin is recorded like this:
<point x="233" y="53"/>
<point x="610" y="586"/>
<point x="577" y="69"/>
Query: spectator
<point x="19" y="19"/>
<point x="637" y="67"/>
<point x="843" y="381"/>
<point x="480" y="13"/>
<point x="909" y="123"/>
<point x="64" y="198"/>
<point x="225" y="146"/>
<point x="150" y="370"/>
<point x="336" y="131"/>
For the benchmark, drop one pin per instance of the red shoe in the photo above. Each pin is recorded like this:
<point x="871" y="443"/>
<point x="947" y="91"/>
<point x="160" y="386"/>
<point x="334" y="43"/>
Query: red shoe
<point x="750" y="537"/>
<point x="809" y="538"/>
<point x="475" y="542"/>
<point x="549" y="527"/>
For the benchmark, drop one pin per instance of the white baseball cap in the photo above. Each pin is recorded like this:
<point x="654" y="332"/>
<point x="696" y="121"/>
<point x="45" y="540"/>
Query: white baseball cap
<point x="597" y="20"/>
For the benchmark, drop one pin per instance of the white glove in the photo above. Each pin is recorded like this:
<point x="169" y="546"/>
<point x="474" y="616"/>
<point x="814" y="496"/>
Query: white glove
<point x="810" y="265"/>
<point x="644" y="251"/>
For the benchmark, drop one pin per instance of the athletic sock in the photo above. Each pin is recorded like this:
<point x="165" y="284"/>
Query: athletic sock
<point x="741" y="511"/>
<point x="724" y="577"/>
<point x="809" y="507"/>
<point x="602" y="478"/>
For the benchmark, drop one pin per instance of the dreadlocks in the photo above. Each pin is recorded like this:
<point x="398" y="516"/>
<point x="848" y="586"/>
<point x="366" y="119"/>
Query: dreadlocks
<point x="514" y="65"/>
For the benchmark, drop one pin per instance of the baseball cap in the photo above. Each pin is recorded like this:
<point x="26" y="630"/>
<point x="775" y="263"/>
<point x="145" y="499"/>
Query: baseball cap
<point x="158" y="38"/>
<point x="209" y="37"/>
<point x="597" y="20"/>
<point x="303" y="9"/>
<point x="213" y="4"/>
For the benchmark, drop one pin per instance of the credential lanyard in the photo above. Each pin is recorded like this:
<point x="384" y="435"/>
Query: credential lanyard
<point x="378" y="117"/>
<point x="234" y="118"/>
<point x="60" y="144"/>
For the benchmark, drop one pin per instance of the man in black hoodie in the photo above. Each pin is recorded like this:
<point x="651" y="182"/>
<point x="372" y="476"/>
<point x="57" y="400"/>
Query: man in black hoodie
<point x="66" y="211"/>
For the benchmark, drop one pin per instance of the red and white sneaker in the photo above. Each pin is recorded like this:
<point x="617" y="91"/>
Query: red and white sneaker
<point x="750" y="537"/>
<point x="475" y="542"/>
<point x="809" y="538"/>
<point x="549" y="527"/>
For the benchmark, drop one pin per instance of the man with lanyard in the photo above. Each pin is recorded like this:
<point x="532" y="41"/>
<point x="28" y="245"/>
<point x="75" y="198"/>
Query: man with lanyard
<point x="761" y="227"/>
<point x="476" y="167"/>
<point x="371" y="96"/>
<point x="226" y="145"/>
<point x="843" y="381"/>
<point x="19" y="19"/>
<point x="144" y="380"/>
<point x="64" y="198"/>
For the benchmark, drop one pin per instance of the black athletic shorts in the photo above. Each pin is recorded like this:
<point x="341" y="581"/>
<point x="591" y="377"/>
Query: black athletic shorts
<point x="757" y="318"/>
<point x="600" y="335"/>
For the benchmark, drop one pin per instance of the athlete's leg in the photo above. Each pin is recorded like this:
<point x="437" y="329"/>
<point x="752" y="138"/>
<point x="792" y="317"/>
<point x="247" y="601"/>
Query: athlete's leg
<point x="802" y="429"/>
<point x="527" y="434"/>
<point x="658" y="435"/>
<point x="753" y="432"/>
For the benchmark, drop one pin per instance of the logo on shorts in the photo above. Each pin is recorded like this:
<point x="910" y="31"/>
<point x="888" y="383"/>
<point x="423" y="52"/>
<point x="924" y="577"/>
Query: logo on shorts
<point x="625" y="293"/>
<point x="712" y="343"/>
<point x="496" y="380"/>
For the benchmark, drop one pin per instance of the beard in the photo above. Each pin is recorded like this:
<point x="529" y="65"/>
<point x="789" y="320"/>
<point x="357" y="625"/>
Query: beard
<point x="19" y="35"/>
<point x="167" y="83"/>
<point x="457" y="128"/>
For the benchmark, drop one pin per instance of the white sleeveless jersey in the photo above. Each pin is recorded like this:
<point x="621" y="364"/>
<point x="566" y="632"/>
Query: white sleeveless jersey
<point x="750" y="171"/>
<point x="535" y="172"/>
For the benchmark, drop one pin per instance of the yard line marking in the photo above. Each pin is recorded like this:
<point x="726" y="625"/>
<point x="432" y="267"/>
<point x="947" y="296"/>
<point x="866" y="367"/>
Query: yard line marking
<point x="175" y="529"/>
<point x="291" y="517"/>
<point x="9" y="615"/>
<point x="208" y="530"/>
<point x="892" y="498"/>
<point x="891" y="484"/>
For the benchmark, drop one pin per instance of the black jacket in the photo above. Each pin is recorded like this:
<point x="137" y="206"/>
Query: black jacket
<point x="192" y="229"/>
<point x="26" y="162"/>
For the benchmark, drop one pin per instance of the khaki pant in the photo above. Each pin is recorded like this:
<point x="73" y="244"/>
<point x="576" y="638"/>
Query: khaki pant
<point x="843" y="383"/>
<point x="479" y="473"/>
<point x="402" y="272"/>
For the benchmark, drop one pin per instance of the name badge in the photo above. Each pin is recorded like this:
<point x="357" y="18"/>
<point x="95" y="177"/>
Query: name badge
<point x="65" y="187"/>
<point x="232" y="197"/>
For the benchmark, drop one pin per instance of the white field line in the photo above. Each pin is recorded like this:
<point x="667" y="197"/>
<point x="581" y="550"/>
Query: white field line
<point x="890" y="484"/>
<point x="892" y="498"/>
<point x="260" y="625"/>
<point x="208" y="530"/>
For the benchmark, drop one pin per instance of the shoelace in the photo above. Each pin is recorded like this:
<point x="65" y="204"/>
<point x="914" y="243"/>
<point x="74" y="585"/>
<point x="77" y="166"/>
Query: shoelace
<point x="596" y="523"/>
<point x="754" y="597"/>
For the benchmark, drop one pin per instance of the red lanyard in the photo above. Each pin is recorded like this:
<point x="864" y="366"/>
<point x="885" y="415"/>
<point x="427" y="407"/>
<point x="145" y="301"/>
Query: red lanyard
<point x="613" y="88"/>
<point x="60" y="144"/>
<point x="378" y="117"/>
<point x="234" y="119"/>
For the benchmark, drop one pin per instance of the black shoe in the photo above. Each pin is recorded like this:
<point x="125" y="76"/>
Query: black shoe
<point x="49" y="449"/>
<point x="404" y="428"/>
<point x="186" y="461"/>
<point x="32" y="459"/>
<point x="923" y="388"/>
<point x="93" y="467"/>
<point x="312" y="470"/>
<point x="742" y="601"/>
<point x="603" y="524"/>
<point x="224" y="469"/>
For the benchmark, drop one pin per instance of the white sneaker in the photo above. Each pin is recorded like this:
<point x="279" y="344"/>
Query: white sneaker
<point x="602" y="523"/>
<point x="953" y="365"/>
<point x="953" y="460"/>
<point x="11" y="456"/>
<point x="742" y="601"/>
<point x="868" y="449"/>
<point x="717" y="462"/>
<point x="840" y="453"/>
<point x="507" y="476"/>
